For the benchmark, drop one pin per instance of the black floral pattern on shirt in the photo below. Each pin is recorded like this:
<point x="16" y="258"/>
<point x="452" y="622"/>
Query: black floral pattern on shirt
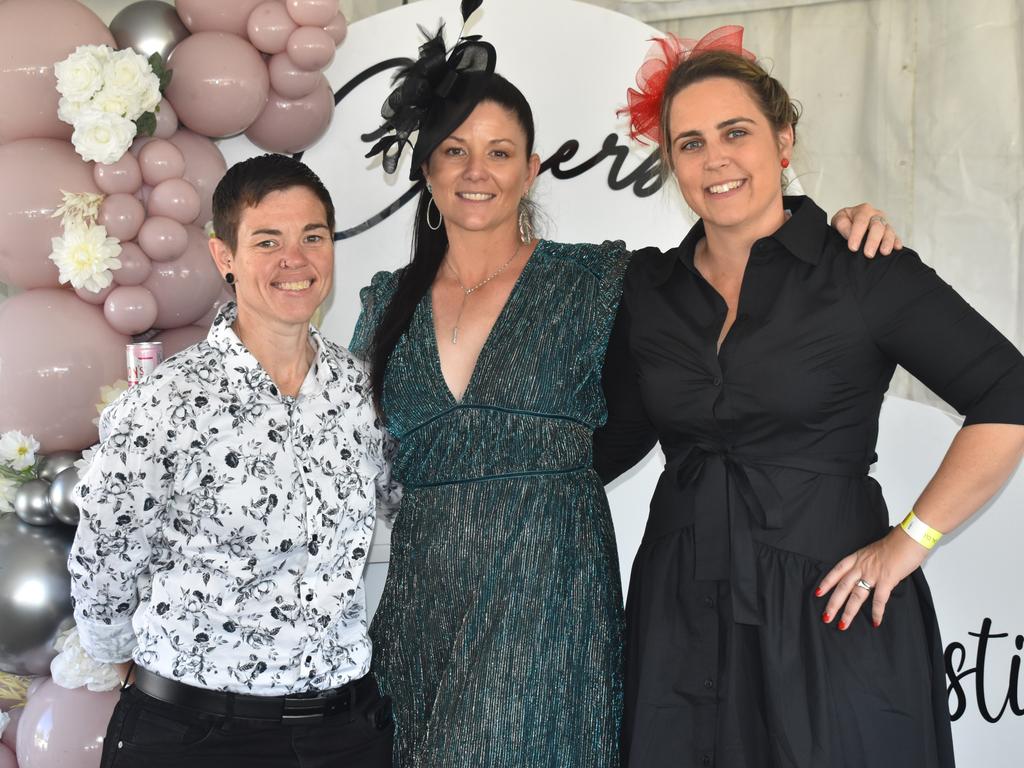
<point x="225" y="527"/>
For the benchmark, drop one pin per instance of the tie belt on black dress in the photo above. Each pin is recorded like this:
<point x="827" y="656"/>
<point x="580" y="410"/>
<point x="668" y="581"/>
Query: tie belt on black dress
<point x="293" y="709"/>
<point x="723" y="540"/>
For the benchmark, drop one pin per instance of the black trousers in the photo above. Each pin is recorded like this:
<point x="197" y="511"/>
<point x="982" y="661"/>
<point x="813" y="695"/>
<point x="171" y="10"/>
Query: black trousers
<point x="149" y="733"/>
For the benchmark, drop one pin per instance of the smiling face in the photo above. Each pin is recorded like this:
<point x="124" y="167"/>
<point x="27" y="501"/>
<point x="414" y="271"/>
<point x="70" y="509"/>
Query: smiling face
<point x="726" y="155"/>
<point x="284" y="259"/>
<point x="481" y="171"/>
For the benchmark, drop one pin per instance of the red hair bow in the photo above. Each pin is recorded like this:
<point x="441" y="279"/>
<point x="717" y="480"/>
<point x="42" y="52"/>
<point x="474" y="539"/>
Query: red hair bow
<point x="644" y="101"/>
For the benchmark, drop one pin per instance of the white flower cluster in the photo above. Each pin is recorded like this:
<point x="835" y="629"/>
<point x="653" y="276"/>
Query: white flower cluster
<point x="85" y="256"/>
<point x="103" y="92"/>
<point x="73" y="667"/>
<point x="17" y="455"/>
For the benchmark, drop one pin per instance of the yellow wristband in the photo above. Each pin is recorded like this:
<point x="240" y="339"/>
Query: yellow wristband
<point x="920" y="531"/>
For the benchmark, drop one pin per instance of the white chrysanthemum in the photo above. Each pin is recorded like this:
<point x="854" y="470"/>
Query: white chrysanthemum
<point x="102" y="136"/>
<point x="107" y="396"/>
<point x="78" y="208"/>
<point x="86" y="257"/>
<point x="8" y="489"/>
<point x="129" y="74"/>
<point x="18" y="451"/>
<point x="80" y="75"/>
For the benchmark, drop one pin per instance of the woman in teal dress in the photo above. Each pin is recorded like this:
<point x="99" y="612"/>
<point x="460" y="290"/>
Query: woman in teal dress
<point x="499" y="633"/>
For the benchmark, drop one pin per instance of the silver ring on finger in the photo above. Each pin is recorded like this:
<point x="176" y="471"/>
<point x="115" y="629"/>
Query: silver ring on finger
<point x="880" y="219"/>
<point x="865" y="585"/>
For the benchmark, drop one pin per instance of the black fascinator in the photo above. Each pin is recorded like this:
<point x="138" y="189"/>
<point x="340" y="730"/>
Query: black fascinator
<point x="433" y="95"/>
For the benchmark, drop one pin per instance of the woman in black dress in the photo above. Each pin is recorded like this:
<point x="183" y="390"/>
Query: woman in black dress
<point x="758" y="354"/>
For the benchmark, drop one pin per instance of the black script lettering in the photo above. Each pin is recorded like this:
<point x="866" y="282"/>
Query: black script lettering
<point x="645" y="179"/>
<point x="955" y="659"/>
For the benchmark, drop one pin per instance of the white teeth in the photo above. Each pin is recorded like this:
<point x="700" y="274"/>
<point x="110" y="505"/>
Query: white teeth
<point x="479" y="196"/>
<point x="717" y="189"/>
<point x="299" y="285"/>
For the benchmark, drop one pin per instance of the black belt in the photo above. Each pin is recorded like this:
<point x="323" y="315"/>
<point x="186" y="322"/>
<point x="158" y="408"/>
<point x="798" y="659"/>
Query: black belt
<point x="293" y="709"/>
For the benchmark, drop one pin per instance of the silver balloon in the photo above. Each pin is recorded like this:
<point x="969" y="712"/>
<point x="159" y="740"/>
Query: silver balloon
<point x="64" y="509"/>
<point x="32" y="503"/>
<point x="148" y="26"/>
<point x="53" y="464"/>
<point x="35" y="594"/>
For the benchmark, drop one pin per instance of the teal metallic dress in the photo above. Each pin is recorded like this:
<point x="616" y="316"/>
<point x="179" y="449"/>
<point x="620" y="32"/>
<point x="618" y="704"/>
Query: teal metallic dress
<point x="499" y="632"/>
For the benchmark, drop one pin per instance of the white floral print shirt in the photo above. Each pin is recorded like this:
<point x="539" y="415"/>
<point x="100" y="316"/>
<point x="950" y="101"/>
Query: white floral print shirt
<point x="225" y="527"/>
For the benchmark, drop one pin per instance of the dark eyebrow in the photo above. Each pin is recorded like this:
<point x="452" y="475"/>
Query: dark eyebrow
<point x="277" y="232"/>
<point x="724" y="124"/>
<point x="459" y="139"/>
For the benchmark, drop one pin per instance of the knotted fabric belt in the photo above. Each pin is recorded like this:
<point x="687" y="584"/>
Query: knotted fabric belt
<point x="732" y="492"/>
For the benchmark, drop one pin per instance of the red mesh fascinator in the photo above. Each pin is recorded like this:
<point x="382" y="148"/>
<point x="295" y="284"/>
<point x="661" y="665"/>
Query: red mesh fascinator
<point x="644" y="101"/>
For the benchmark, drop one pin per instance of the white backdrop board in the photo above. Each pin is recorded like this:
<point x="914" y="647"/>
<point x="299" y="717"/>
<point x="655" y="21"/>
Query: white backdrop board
<point x="574" y="61"/>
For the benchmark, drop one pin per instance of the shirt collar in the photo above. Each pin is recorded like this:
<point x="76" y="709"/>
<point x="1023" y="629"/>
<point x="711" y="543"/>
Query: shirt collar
<point x="242" y="369"/>
<point x="804" y="235"/>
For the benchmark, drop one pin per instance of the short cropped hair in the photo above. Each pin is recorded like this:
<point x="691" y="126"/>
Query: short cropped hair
<point x="248" y="182"/>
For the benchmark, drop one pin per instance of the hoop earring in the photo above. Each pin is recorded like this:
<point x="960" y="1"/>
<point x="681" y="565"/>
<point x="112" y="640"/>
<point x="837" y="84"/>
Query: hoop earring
<point x="440" y="218"/>
<point x="525" y="226"/>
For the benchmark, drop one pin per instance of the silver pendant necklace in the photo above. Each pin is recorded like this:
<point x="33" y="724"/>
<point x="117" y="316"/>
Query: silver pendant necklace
<point x="473" y="288"/>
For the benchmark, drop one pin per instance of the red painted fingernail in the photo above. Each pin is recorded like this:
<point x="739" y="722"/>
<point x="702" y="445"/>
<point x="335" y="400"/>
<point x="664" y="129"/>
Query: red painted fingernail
<point x="819" y="592"/>
<point x="876" y="624"/>
<point x="842" y="625"/>
<point x="826" y="618"/>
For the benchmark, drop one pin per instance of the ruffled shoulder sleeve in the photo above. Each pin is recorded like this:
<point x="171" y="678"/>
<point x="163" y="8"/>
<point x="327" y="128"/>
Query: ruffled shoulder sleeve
<point x="375" y="298"/>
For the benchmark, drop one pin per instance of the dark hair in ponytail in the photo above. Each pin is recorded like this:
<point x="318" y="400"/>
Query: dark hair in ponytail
<point x="429" y="246"/>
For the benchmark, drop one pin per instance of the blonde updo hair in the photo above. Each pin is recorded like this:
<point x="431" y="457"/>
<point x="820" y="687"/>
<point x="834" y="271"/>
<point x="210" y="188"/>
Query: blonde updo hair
<point x="769" y="93"/>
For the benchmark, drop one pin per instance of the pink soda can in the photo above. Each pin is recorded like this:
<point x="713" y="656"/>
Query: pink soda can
<point x="143" y="359"/>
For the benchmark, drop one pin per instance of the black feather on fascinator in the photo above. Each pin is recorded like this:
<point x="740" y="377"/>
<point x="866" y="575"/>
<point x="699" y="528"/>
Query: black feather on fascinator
<point x="433" y="95"/>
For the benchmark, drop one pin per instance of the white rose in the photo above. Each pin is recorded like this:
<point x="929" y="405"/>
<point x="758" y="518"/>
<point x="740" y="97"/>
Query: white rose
<point x="129" y="74"/>
<point x="69" y="111"/>
<point x="102" y="136"/>
<point x="115" y="101"/>
<point x="80" y="75"/>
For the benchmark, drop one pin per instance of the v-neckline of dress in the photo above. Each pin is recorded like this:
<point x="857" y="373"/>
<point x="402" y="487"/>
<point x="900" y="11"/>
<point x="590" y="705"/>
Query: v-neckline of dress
<point x="435" y="342"/>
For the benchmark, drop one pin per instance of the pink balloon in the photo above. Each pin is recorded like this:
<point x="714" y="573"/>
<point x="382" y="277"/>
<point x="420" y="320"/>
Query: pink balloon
<point x="337" y="28"/>
<point x="166" y="120"/>
<point x="186" y="287"/>
<point x="35" y="685"/>
<point x="34" y="171"/>
<point x="122" y="176"/>
<point x="216" y="15"/>
<point x="7" y="758"/>
<point x="122" y="214"/>
<point x="220" y="83"/>
<point x="315" y="13"/>
<point x="94" y="298"/>
<point x="143" y="194"/>
<point x="160" y="160"/>
<point x="177" y="339"/>
<point x="56" y="352"/>
<point x="289" y="80"/>
<point x="64" y="727"/>
<point x="135" y="265"/>
<point x="176" y="199"/>
<point x="162" y="239"/>
<point x="139" y="143"/>
<point x="269" y="27"/>
<point x="204" y="168"/>
<point x="311" y="48"/>
<point x="226" y="295"/>
<point x="290" y="126"/>
<point x="35" y="35"/>
<point x="10" y="737"/>
<point x="130" y="309"/>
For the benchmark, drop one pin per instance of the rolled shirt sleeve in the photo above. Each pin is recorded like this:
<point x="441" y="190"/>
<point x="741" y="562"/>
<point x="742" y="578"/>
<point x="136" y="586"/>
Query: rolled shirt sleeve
<point x="122" y="497"/>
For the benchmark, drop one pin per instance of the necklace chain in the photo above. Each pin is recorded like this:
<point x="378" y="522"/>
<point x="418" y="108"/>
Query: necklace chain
<point x="467" y="291"/>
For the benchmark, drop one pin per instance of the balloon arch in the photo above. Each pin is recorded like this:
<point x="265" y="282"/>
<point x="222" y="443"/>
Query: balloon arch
<point x="109" y="167"/>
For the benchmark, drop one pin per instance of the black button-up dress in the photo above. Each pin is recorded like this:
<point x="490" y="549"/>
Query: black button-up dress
<point x="768" y="442"/>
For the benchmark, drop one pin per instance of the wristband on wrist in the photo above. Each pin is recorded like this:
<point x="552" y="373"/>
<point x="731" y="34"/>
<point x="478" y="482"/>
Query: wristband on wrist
<point x="920" y="531"/>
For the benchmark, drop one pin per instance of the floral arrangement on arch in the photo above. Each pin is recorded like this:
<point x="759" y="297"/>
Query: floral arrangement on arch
<point x="109" y="97"/>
